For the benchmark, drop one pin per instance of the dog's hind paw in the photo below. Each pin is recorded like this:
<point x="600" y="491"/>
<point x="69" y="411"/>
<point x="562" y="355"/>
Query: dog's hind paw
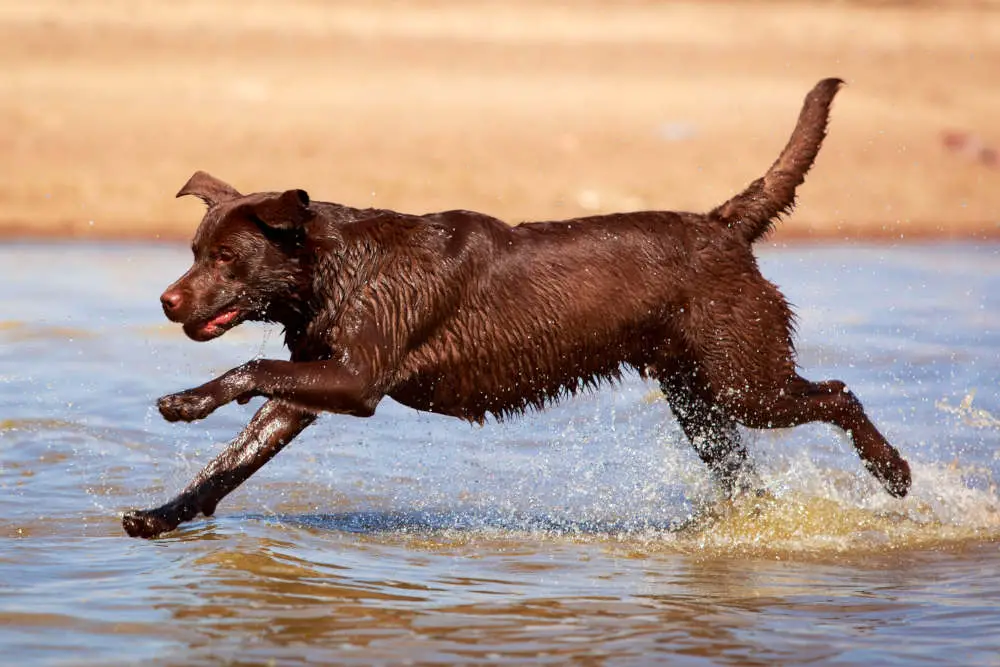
<point x="894" y="474"/>
<point x="187" y="406"/>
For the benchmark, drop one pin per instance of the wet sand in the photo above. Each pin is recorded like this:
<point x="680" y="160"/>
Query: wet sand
<point x="523" y="109"/>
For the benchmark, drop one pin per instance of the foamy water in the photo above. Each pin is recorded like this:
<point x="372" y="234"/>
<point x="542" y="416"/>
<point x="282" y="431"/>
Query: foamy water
<point x="589" y="532"/>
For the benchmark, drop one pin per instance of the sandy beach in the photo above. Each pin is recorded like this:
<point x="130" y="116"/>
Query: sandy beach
<point x="525" y="109"/>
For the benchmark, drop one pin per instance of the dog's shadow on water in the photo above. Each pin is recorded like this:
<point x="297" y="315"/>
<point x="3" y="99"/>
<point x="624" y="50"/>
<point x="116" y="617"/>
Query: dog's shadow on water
<point x="472" y="521"/>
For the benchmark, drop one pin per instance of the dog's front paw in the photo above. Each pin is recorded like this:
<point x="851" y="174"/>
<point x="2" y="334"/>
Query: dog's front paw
<point x="187" y="406"/>
<point x="149" y="523"/>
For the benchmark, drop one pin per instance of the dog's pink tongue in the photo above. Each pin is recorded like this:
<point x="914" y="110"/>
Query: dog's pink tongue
<point x="221" y="319"/>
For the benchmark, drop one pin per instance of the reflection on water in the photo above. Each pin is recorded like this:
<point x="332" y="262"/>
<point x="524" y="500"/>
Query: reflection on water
<point x="589" y="532"/>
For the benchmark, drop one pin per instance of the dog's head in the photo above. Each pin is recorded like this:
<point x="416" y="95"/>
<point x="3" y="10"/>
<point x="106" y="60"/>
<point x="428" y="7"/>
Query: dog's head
<point x="246" y="258"/>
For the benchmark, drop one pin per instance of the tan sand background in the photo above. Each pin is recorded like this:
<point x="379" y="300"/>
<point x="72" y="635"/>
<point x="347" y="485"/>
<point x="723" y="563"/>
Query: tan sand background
<point x="526" y="109"/>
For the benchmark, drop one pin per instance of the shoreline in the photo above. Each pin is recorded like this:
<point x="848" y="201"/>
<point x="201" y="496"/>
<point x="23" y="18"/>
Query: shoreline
<point x="785" y="233"/>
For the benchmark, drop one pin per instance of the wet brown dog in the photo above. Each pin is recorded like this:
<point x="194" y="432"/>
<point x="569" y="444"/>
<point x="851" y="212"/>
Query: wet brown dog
<point x="460" y="314"/>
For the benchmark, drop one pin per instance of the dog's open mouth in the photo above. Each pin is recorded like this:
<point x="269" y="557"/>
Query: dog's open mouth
<point x="214" y="327"/>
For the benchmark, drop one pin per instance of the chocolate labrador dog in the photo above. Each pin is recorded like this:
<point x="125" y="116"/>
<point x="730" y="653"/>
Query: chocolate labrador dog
<point x="461" y="314"/>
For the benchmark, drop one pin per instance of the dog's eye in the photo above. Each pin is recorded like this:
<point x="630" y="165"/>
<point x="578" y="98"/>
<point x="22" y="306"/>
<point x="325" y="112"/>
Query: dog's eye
<point x="224" y="256"/>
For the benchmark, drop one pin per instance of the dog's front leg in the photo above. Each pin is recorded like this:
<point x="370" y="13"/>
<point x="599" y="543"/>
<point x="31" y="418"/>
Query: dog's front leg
<point x="273" y="427"/>
<point x="193" y="404"/>
<point x="318" y="385"/>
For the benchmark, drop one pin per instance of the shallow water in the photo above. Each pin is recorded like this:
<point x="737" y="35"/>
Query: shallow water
<point x="588" y="533"/>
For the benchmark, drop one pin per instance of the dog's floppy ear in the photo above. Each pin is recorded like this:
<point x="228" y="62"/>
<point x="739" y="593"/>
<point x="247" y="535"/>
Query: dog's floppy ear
<point x="209" y="189"/>
<point x="288" y="210"/>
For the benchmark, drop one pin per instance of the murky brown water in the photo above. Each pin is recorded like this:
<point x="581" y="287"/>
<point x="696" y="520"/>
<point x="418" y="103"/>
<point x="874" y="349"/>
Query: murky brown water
<point x="588" y="533"/>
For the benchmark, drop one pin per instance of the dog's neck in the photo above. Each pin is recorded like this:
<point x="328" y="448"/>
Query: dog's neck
<point x="325" y="277"/>
<point x="342" y="252"/>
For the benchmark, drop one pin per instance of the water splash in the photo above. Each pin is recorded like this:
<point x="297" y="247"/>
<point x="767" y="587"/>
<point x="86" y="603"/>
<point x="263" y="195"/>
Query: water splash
<point x="839" y="514"/>
<point x="975" y="417"/>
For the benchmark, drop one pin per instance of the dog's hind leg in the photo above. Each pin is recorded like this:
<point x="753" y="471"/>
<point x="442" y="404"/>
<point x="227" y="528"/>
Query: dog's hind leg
<point x="273" y="427"/>
<point x="712" y="433"/>
<point x="799" y="401"/>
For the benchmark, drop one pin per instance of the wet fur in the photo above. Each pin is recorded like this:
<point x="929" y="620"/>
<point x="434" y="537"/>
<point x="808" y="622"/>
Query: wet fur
<point x="461" y="314"/>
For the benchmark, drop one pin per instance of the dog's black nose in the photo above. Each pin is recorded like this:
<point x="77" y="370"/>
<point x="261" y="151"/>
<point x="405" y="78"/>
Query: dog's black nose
<point x="171" y="300"/>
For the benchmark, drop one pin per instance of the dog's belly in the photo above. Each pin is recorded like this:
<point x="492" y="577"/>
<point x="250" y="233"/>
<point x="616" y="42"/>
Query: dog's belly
<point x="472" y="392"/>
<point x="506" y="377"/>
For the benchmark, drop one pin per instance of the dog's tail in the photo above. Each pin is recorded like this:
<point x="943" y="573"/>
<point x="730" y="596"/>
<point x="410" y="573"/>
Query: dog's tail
<point x="752" y="213"/>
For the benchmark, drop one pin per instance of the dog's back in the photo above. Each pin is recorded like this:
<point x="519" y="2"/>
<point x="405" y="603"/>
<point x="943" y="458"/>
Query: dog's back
<point x="531" y="312"/>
